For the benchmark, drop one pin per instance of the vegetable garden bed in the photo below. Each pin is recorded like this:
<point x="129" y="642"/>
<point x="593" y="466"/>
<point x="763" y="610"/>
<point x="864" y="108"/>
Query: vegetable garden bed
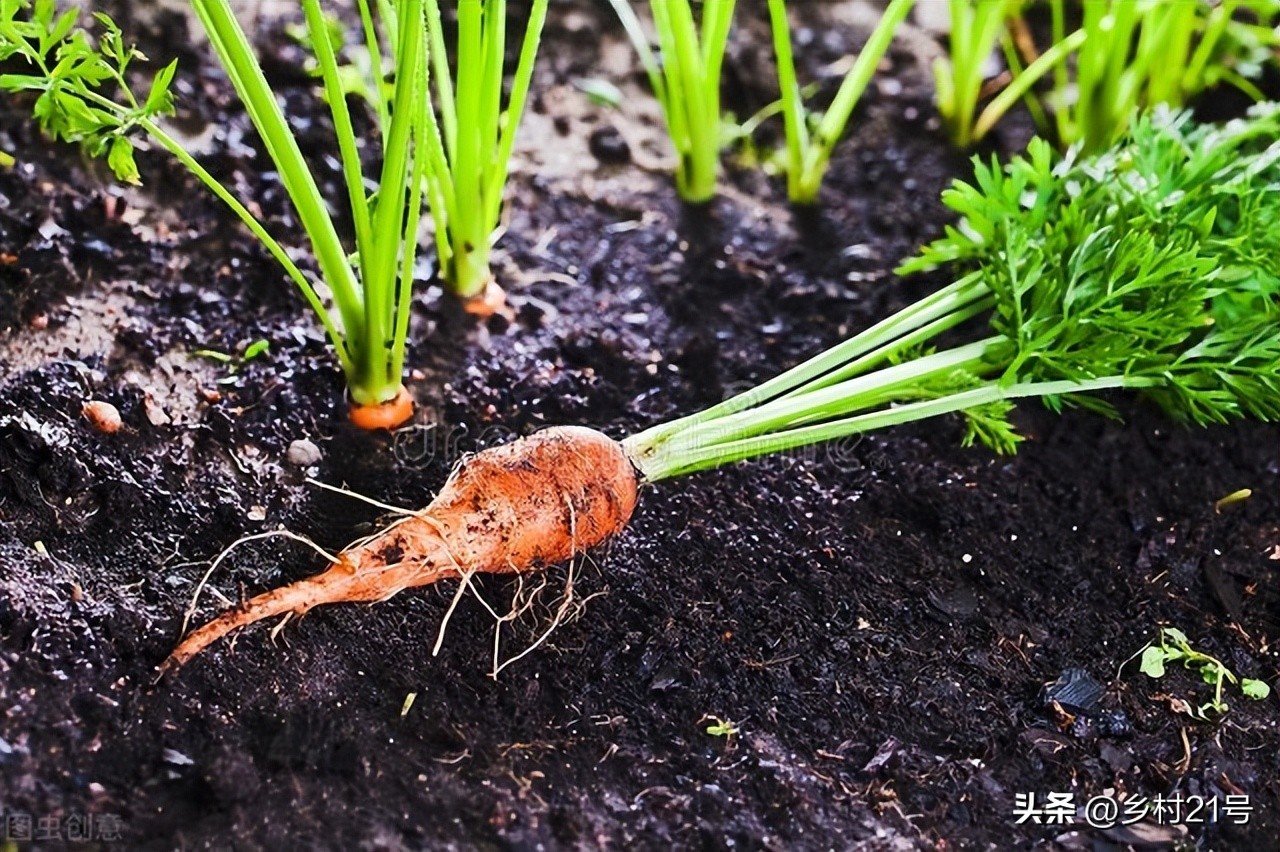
<point x="837" y="646"/>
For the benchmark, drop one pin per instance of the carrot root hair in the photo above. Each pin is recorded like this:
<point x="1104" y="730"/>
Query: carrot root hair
<point x="516" y="508"/>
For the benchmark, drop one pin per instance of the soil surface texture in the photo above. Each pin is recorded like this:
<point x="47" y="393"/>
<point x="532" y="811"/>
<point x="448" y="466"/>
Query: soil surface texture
<point x="884" y="643"/>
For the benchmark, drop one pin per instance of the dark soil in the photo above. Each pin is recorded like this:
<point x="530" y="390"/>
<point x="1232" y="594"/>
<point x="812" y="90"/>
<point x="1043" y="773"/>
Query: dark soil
<point x="877" y="618"/>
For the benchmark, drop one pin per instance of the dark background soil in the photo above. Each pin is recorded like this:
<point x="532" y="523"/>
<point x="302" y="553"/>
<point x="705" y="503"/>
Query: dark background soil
<point x="876" y="617"/>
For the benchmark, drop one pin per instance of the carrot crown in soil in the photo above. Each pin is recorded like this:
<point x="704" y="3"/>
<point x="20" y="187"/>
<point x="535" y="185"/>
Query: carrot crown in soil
<point x="1151" y="267"/>
<point x="685" y="77"/>
<point x="370" y="281"/>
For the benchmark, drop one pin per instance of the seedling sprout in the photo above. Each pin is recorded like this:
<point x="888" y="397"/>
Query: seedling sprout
<point x="1173" y="646"/>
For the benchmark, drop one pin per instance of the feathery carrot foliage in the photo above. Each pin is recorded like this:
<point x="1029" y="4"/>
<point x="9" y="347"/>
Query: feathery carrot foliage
<point x="1150" y="267"/>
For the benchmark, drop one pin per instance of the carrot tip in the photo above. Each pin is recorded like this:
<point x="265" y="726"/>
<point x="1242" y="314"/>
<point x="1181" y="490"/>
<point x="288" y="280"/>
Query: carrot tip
<point x="491" y="300"/>
<point x="385" y="415"/>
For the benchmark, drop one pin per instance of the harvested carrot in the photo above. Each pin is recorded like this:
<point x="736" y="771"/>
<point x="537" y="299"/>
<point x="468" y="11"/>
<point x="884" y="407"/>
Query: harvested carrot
<point x="519" y="507"/>
<point x="384" y="415"/>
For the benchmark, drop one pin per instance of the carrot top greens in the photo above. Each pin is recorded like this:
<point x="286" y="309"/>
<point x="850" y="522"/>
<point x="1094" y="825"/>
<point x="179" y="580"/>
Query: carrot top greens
<point x="1132" y="55"/>
<point x="1151" y="267"/>
<point x="809" y="148"/>
<point x="685" y="76"/>
<point x="1125" y="56"/>
<point x="69" y="68"/>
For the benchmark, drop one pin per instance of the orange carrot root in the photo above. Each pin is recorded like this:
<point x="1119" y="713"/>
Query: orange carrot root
<point x="386" y="415"/>
<point x="515" y="508"/>
<point x="489" y="301"/>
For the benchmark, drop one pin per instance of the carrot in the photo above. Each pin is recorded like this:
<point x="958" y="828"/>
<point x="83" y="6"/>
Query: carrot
<point x="515" y="508"/>
<point x="384" y="415"/>
<point x="489" y="301"/>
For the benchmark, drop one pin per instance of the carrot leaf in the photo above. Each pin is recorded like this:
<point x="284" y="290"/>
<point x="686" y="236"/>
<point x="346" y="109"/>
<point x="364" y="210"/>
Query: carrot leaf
<point x="1149" y="267"/>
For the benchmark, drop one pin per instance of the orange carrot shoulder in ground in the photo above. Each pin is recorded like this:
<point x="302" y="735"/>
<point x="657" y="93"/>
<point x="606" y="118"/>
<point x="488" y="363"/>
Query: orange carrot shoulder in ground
<point x="519" y="507"/>
<point x="387" y="415"/>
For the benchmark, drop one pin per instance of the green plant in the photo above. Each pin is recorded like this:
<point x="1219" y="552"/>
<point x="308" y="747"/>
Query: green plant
<point x="468" y="169"/>
<point x="6" y="160"/>
<point x="1133" y="54"/>
<point x="721" y="727"/>
<point x="370" y="286"/>
<point x="1173" y="646"/>
<point x="460" y="161"/>
<point x="470" y="135"/>
<point x="371" y="290"/>
<point x="685" y="77"/>
<point x="1150" y="267"/>
<point x="67" y="68"/>
<point x="976" y="27"/>
<point x="234" y="363"/>
<point x="808" y="153"/>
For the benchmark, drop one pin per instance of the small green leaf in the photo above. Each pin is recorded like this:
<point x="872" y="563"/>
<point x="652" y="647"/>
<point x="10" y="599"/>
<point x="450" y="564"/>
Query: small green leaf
<point x="1258" y="690"/>
<point x="253" y="350"/>
<point x="21" y="82"/>
<point x="80" y="118"/>
<point x="59" y="32"/>
<point x="1153" y="661"/>
<point x="121" y="161"/>
<point x="1175" y="635"/>
<point x="43" y="13"/>
<point x="6" y="160"/>
<point x="1211" y="674"/>
<point x="722" y="728"/>
<point x="159" y="100"/>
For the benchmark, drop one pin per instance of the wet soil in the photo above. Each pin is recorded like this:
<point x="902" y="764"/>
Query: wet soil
<point x="844" y="648"/>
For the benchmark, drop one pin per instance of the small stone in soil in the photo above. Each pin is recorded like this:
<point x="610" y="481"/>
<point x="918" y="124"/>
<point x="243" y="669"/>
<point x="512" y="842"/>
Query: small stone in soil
<point x="177" y="758"/>
<point x="1114" y="723"/>
<point x="102" y="416"/>
<point x="608" y="146"/>
<point x="156" y="415"/>
<point x="304" y="453"/>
